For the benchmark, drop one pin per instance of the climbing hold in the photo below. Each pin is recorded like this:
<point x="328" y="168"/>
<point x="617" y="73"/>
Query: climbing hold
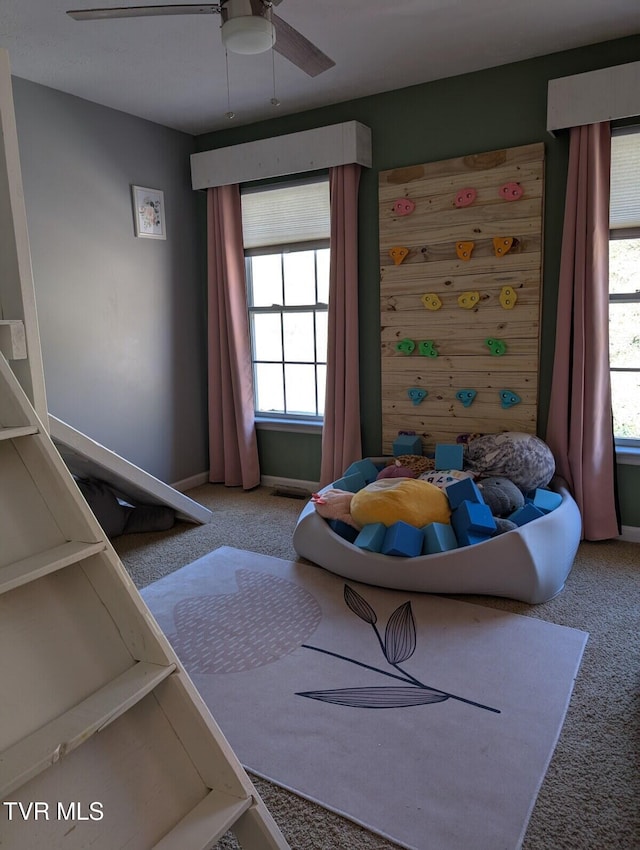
<point x="469" y="299"/>
<point x="464" y="249"/>
<point x="417" y="395"/>
<point x="398" y="253"/>
<point x="508" y="297"/>
<point x="427" y="348"/>
<point x="511" y="191"/>
<point x="465" y="197"/>
<point x="502" y="245"/>
<point x="508" y="398"/>
<point x="404" y="206"/>
<point x="431" y="301"/>
<point x="466" y="397"/>
<point x="497" y="347"/>
<point x="405" y="346"/>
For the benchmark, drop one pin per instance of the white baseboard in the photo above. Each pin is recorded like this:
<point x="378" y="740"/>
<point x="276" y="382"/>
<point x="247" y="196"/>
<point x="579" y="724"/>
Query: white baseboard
<point x="295" y="483"/>
<point x="193" y="481"/>
<point x="630" y="533"/>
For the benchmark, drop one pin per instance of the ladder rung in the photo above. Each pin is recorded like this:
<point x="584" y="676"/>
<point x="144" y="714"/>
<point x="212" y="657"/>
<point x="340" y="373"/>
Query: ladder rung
<point x="35" y="566"/>
<point x="47" y="745"/>
<point x="18" y="431"/>
<point x="206" y="823"/>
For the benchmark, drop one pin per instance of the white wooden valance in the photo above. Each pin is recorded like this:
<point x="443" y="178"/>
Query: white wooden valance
<point x="603" y="95"/>
<point x="295" y="153"/>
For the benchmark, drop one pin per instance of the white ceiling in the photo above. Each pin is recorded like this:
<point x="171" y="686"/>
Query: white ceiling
<point x="171" y="70"/>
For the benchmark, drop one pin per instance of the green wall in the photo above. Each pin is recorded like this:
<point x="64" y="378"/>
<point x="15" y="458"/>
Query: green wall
<point x="497" y="108"/>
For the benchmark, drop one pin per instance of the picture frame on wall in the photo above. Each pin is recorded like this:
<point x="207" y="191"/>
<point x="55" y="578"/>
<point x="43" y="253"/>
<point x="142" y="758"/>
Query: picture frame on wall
<point x="148" y="212"/>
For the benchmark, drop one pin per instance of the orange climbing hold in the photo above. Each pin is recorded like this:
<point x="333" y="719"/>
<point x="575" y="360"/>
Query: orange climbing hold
<point x="502" y="245"/>
<point x="398" y="254"/>
<point x="464" y="249"/>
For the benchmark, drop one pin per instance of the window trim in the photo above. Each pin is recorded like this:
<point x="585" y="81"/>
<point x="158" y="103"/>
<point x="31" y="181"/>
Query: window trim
<point x="283" y="421"/>
<point x="627" y="449"/>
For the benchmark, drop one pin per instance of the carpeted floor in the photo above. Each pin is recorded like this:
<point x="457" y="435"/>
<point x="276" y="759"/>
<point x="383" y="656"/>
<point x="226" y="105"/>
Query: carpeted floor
<point x="589" y="798"/>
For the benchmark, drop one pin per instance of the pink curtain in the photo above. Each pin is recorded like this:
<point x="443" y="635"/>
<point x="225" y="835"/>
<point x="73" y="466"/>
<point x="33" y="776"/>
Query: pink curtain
<point x="579" y="428"/>
<point x="233" y="448"/>
<point x="341" y="440"/>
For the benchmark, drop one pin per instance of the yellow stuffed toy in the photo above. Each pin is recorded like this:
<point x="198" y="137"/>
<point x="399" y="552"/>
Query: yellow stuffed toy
<point x="386" y="500"/>
<point x="409" y="500"/>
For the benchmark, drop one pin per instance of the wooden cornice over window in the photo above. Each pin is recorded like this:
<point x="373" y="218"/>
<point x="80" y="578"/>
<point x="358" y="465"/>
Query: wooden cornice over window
<point x="295" y="153"/>
<point x="604" y="95"/>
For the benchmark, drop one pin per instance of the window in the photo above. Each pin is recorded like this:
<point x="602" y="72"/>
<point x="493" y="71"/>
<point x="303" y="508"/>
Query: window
<point x="286" y="236"/>
<point x="624" y="286"/>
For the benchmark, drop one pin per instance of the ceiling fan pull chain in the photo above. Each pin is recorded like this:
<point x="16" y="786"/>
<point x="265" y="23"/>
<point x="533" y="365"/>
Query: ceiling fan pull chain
<point x="275" y="100"/>
<point x="230" y="114"/>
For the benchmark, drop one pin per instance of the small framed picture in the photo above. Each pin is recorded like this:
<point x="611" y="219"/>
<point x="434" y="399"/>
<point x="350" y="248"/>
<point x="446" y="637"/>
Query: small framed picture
<point x="148" y="212"/>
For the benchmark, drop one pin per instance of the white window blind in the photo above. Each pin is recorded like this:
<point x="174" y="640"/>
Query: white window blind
<point x="625" y="180"/>
<point x="286" y="215"/>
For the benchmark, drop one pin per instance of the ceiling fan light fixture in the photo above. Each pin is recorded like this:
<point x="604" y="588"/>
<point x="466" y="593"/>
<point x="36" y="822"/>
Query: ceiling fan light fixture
<point x="248" y="34"/>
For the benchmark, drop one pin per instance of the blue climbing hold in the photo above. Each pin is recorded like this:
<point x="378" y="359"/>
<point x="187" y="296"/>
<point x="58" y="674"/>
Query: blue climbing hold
<point x="417" y="395"/>
<point x="466" y="397"/>
<point x="508" y="398"/>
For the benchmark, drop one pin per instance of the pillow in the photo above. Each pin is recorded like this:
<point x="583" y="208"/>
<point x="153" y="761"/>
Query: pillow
<point x="523" y="458"/>
<point x="391" y="500"/>
<point x="443" y="477"/>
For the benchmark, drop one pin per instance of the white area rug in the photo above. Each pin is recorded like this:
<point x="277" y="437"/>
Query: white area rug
<point x="427" y="720"/>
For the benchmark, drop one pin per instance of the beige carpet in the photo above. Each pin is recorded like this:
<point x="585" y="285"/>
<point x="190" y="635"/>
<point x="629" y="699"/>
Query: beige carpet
<point x="589" y="798"/>
<point x="427" y="720"/>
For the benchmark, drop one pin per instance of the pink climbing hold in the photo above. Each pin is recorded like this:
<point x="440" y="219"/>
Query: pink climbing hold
<point x="465" y="197"/>
<point x="404" y="206"/>
<point x="510" y="191"/>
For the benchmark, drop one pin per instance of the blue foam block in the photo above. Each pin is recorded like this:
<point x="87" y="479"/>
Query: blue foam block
<point x="402" y="539"/>
<point x="525" y="514"/>
<point x="352" y="483"/>
<point x="472" y="523"/>
<point x="475" y="517"/>
<point x="438" y="537"/>
<point x="449" y="455"/>
<point x="468" y="538"/>
<point x="546" y="500"/>
<point x="344" y="530"/>
<point x="405" y="444"/>
<point x="463" y="490"/>
<point x="371" y="537"/>
<point x="366" y="468"/>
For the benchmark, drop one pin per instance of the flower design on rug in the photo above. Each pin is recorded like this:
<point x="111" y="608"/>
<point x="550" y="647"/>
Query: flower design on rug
<point x="397" y="645"/>
<point x="264" y="620"/>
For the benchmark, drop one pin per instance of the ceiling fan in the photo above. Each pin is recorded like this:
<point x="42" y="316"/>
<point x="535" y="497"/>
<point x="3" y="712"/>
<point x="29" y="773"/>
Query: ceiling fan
<point x="248" y="26"/>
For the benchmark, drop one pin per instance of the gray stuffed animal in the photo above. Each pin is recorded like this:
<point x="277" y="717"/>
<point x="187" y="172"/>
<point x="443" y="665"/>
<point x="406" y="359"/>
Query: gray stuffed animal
<point x="501" y="495"/>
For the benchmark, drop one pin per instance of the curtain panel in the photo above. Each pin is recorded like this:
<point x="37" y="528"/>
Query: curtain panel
<point x="341" y="436"/>
<point x="579" y="427"/>
<point x="233" y="447"/>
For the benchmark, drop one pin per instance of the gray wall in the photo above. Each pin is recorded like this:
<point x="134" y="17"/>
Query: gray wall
<point x="122" y="320"/>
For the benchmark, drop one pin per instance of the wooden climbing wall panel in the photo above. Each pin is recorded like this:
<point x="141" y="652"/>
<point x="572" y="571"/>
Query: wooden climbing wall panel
<point x="461" y="322"/>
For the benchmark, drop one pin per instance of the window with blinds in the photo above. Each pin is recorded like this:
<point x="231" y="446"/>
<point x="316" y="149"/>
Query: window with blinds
<point x="624" y="285"/>
<point x="286" y="231"/>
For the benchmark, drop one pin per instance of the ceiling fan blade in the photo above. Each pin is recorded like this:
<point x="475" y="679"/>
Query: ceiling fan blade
<point x="143" y="11"/>
<point x="297" y="49"/>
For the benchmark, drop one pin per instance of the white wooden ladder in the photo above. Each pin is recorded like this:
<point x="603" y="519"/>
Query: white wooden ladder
<point x="100" y="727"/>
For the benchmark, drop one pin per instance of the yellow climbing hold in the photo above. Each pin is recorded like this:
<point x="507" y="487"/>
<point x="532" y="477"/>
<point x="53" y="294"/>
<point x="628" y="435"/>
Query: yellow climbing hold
<point x="508" y="297"/>
<point x="467" y="300"/>
<point x="398" y="254"/>
<point x="431" y="301"/>
<point x="464" y="249"/>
